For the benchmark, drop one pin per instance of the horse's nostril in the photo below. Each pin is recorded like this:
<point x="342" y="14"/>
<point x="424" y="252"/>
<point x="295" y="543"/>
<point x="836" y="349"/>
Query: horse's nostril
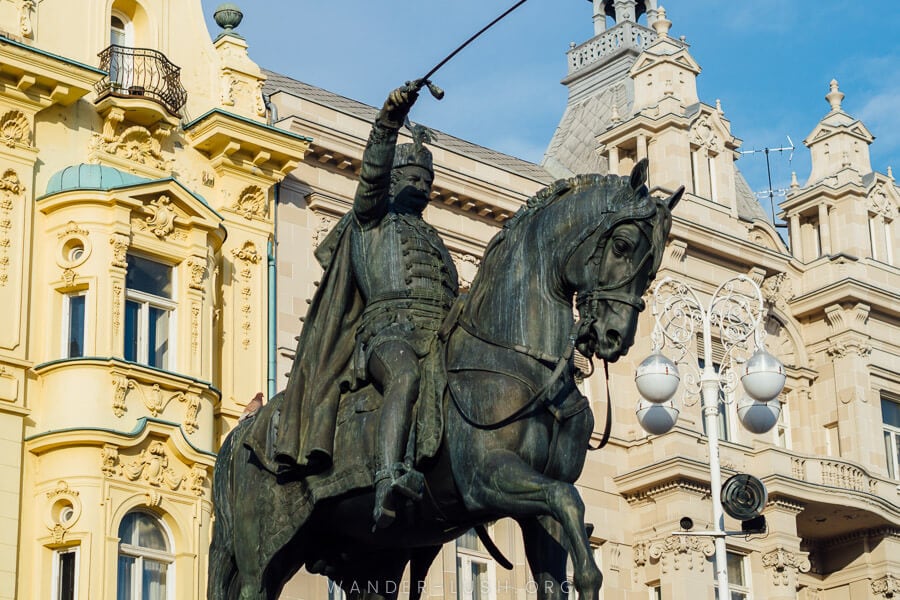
<point x="613" y="337"/>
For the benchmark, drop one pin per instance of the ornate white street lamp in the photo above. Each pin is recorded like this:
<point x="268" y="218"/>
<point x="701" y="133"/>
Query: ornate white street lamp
<point x="736" y="312"/>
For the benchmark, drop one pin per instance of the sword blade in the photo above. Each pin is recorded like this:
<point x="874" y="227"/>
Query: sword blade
<point x="447" y="59"/>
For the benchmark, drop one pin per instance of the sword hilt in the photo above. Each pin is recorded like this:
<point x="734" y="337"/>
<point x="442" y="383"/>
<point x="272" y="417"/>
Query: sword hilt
<point x="418" y="84"/>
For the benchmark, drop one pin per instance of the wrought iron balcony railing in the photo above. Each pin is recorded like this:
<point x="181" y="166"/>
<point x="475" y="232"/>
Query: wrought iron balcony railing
<point x="141" y="73"/>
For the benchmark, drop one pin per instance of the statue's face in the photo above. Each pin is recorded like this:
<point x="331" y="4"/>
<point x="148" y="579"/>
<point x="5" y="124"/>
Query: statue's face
<point x="411" y="187"/>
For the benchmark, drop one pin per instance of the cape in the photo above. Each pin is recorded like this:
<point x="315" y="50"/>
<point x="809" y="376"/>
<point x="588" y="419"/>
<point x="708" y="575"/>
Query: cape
<point x="305" y="420"/>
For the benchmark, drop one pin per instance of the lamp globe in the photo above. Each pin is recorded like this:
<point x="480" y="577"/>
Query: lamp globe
<point x="763" y="376"/>
<point x="657" y="378"/>
<point x="757" y="416"/>
<point x="657" y="417"/>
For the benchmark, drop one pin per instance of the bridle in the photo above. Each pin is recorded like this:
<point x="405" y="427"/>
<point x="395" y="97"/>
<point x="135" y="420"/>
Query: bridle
<point x="587" y="302"/>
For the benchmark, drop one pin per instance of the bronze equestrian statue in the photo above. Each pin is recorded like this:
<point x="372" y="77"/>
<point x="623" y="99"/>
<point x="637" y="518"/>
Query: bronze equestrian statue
<point x="470" y="412"/>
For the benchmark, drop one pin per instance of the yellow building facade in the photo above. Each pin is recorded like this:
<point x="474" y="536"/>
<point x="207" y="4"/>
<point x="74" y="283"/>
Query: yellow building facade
<point x="136" y="218"/>
<point x="157" y="187"/>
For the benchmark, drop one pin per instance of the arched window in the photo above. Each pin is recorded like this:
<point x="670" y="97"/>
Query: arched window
<point x="145" y="559"/>
<point x="121" y="32"/>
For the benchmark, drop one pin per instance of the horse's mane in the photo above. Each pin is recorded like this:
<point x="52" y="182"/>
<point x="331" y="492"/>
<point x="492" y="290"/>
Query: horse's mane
<point x="549" y="194"/>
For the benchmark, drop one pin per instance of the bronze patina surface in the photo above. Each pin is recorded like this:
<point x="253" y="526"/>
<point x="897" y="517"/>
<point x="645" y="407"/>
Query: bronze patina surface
<point x="411" y="415"/>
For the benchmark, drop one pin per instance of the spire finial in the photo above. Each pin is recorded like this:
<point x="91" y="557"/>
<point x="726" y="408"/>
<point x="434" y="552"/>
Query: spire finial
<point x="662" y="24"/>
<point x="890" y="173"/>
<point x="719" y="107"/>
<point x="794" y="183"/>
<point x="835" y="96"/>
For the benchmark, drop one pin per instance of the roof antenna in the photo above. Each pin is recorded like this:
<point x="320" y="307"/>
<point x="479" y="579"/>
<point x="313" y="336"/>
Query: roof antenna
<point x="772" y="192"/>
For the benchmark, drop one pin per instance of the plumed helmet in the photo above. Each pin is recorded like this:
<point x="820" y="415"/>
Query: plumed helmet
<point x="416" y="153"/>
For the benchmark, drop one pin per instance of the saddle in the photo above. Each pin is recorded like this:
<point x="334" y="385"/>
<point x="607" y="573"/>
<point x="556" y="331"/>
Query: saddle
<point x="356" y="428"/>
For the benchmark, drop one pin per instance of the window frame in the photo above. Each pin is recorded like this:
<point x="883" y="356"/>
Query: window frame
<point x="127" y="31"/>
<point x="465" y="558"/>
<point x="891" y="436"/>
<point x="782" y="430"/>
<point x="66" y="340"/>
<point x="146" y="301"/>
<point x="744" y="588"/>
<point x="140" y="553"/>
<point x="55" y="592"/>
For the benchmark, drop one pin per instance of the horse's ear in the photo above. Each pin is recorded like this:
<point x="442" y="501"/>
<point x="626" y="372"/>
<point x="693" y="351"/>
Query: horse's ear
<point x="674" y="198"/>
<point x="639" y="173"/>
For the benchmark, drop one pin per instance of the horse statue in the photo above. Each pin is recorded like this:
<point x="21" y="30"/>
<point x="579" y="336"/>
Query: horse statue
<point x="513" y="428"/>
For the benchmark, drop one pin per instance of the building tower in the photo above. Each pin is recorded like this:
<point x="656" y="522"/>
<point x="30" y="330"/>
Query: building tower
<point x="598" y="82"/>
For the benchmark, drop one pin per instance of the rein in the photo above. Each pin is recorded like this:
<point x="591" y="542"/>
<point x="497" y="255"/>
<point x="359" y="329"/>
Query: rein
<point x="539" y="396"/>
<point x="607" y="429"/>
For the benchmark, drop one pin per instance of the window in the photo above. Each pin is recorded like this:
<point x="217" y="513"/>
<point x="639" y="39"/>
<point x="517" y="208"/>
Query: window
<point x="73" y="325"/>
<point x="65" y="574"/>
<point x="782" y="431"/>
<point x="475" y="572"/>
<point x="890" y="416"/>
<point x="149" y="312"/>
<point x="145" y="559"/>
<point x="880" y="239"/>
<point x="120" y="30"/>
<point x="335" y="592"/>
<point x="655" y="591"/>
<point x="738" y="584"/>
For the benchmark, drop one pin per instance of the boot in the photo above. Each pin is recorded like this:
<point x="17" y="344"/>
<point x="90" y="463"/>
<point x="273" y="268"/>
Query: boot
<point x="385" y="509"/>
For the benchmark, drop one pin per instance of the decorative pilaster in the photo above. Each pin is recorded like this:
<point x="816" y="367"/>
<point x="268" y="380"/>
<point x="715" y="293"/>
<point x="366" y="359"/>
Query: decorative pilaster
<point x="886" y="587"/>
<point x="784" y="567"/>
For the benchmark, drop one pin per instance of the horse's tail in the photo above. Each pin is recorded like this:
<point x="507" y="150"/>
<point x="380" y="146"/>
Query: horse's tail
<point x="223" y="572"/>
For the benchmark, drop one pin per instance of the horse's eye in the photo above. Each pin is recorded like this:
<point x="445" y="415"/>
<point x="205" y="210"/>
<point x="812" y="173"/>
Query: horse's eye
<point x="621" y="247"/>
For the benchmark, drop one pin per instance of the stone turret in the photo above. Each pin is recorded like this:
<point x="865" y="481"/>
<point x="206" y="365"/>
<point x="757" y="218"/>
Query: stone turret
<point x="839" y="144"/>
<point x="845" y="208"/>
<point x="598" y="82"/>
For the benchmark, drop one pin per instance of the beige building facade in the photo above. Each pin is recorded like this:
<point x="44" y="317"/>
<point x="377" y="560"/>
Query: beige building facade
<point x="148" y="210"/>
<point x="831" y="296"/>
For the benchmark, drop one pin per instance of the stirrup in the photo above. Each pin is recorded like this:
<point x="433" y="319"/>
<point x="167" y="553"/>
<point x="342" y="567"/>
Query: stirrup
<point x="409" y="483"/>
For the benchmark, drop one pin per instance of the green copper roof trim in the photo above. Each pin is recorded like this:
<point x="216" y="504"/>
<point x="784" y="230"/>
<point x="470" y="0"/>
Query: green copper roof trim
<point x="58" y="361"/>
<point x="138" y="429"/>
<point x="103" y="178"/>
<point x="296" y="136"/>
<point x="84" y="176"/>
<point x="12" y="42"/>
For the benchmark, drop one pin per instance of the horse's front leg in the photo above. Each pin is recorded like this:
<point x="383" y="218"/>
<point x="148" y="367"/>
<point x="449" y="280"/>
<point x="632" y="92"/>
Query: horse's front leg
<point x="546" y="556"/>
<point x="510" y="486"/>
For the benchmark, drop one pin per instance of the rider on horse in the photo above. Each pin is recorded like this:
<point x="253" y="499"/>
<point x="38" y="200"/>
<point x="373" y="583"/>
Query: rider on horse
<point x="389" y="283"/>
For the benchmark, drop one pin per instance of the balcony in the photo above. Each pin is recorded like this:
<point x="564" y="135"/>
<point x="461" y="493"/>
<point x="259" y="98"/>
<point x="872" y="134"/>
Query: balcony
<point x="143" y="74"/>
<point x="624" y="36"/>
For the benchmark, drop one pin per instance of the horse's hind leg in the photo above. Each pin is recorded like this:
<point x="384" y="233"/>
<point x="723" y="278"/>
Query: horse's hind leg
<point x="546" y="556"/>
<point x="510" y="486"/>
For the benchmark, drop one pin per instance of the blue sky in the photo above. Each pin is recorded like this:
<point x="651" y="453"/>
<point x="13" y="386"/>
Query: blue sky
<point x="769" y="61"/>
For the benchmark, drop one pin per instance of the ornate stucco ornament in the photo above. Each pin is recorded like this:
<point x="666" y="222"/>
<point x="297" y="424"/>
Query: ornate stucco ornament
<point x="162" y="217"/>
<point x="785" y="565"/>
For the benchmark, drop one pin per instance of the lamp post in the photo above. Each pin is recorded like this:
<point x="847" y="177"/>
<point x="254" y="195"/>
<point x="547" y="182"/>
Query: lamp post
<point x="736" y="312"/>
